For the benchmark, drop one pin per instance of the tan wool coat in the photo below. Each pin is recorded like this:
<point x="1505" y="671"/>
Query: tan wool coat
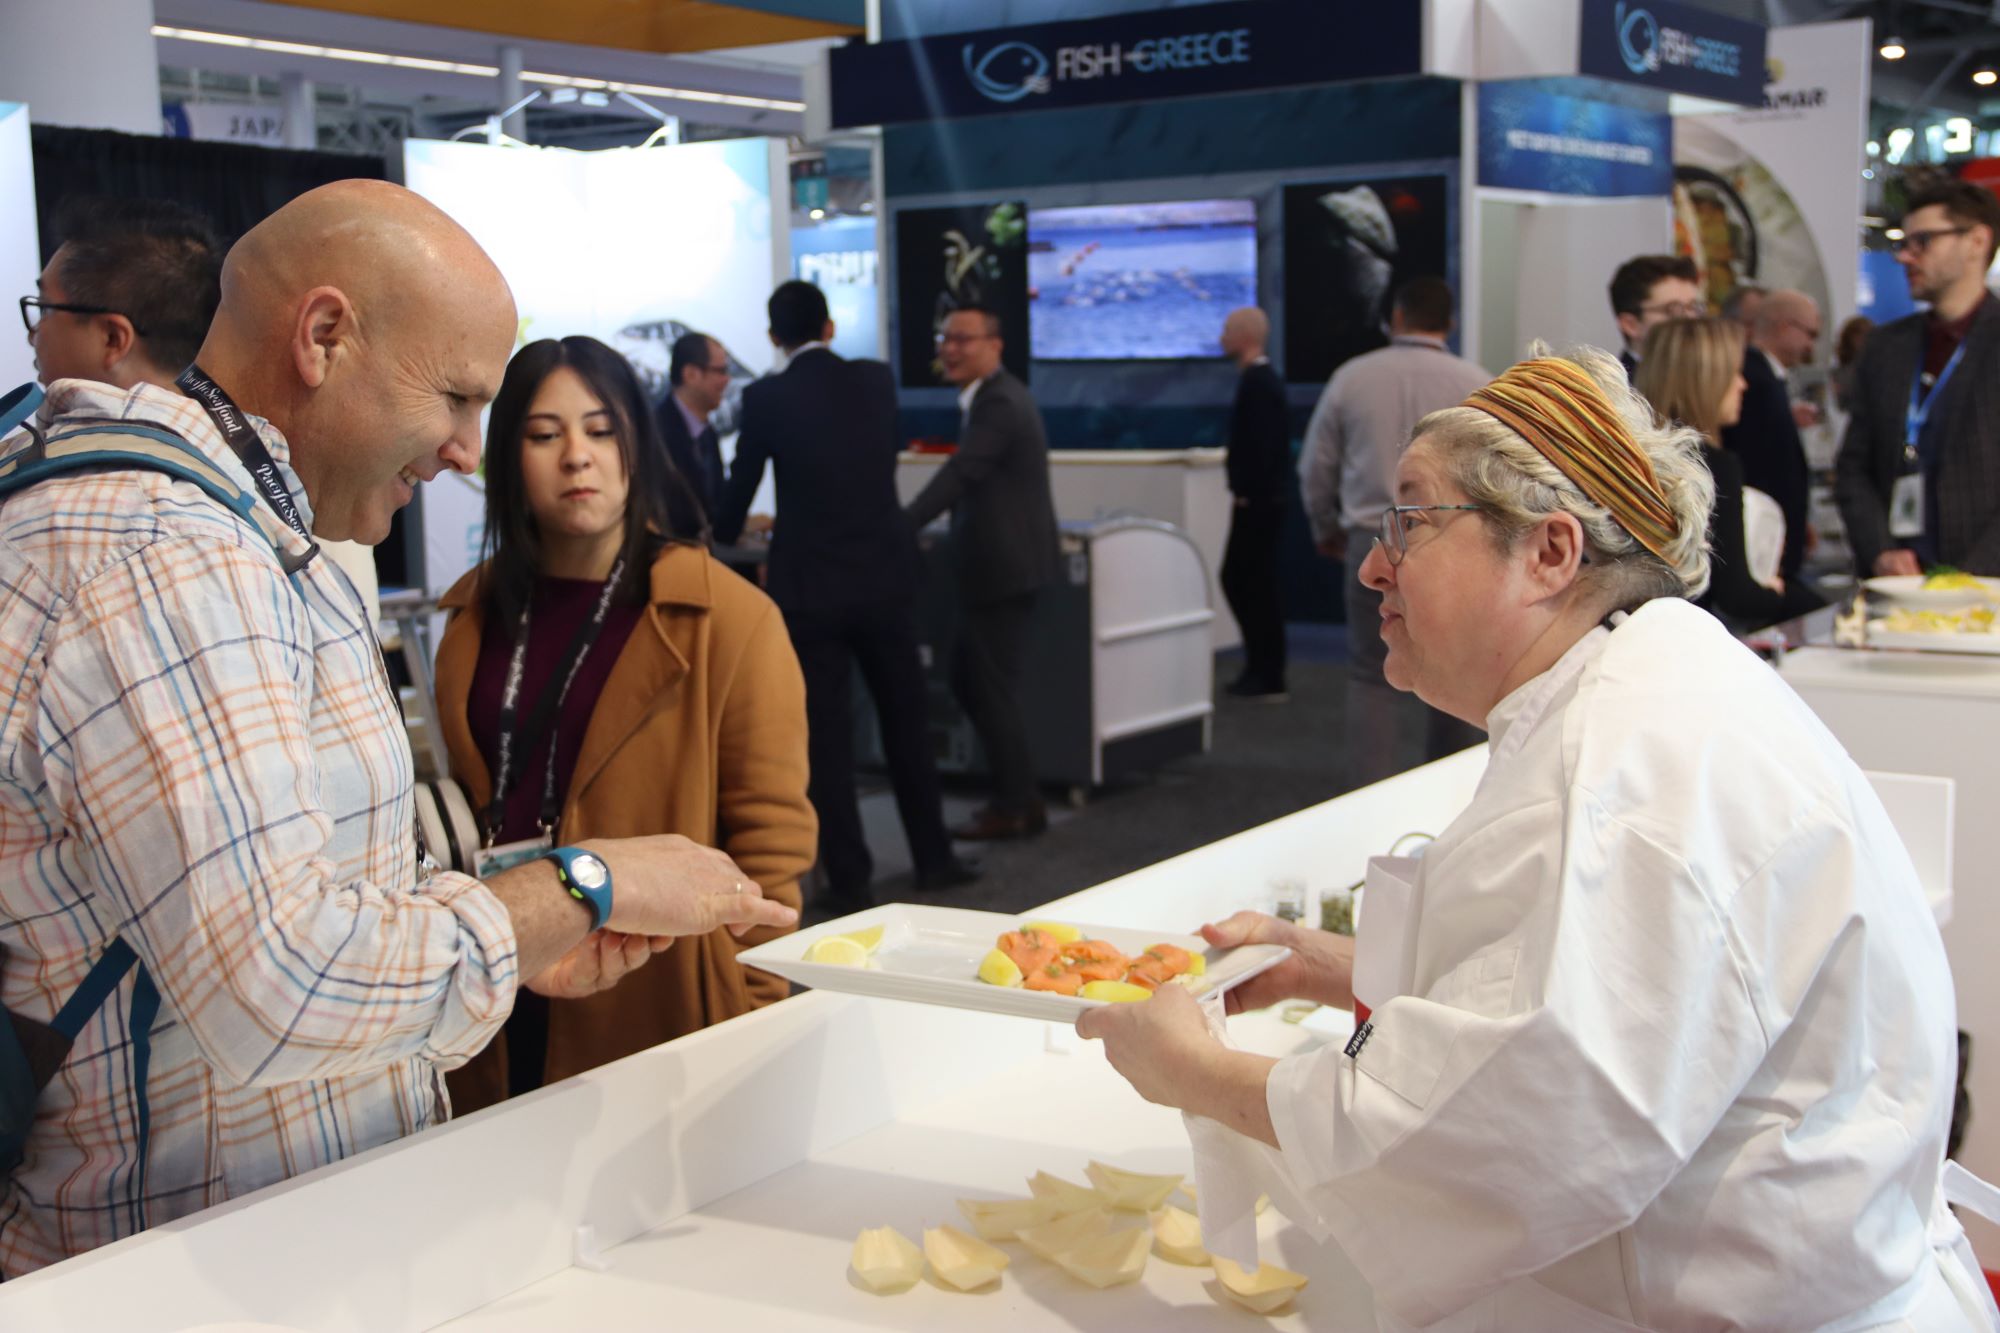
<point x="701" y="731"/>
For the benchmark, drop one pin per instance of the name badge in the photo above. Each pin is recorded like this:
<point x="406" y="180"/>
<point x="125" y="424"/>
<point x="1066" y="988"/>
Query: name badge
<point x="1906" y="506"/>
<point x="492" y="860"/>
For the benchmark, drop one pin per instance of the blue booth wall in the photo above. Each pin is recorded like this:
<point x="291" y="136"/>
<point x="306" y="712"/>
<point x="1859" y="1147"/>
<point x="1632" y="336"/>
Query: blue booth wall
<point x="1247" y="145"/>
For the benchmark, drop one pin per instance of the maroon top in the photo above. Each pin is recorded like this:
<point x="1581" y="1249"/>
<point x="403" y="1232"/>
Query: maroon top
<point x="558" y="612"/>
<point x="1942" y="339"/>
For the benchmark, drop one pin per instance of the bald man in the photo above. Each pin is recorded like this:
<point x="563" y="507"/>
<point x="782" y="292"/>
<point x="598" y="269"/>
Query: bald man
<point x="207" y="791"/>
<point x="1260" y="470"/>
<point x="1766" y="435"/>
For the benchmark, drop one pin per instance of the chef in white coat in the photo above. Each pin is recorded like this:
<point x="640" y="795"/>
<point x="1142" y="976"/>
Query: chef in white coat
<point x="1670" y="1039"/>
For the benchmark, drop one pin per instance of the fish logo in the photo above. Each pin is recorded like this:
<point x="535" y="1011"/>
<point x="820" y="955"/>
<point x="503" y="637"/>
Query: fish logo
<point x="1638" y="40"/>
<point x="1008" y="72"/>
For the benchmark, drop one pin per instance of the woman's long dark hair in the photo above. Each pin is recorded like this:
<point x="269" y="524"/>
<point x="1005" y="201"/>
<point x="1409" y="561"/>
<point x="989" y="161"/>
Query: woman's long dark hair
<point x="660" y="506"/>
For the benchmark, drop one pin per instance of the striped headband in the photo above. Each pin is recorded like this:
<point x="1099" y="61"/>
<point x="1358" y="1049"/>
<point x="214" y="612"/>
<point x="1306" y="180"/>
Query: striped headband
<point x="1556" y="407"/>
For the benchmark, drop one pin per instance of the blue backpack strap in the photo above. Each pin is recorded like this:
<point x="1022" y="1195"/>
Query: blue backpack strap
<point x="18" y="406"/>
<point x="121" y="444"/>
<point x="97" y="986"/>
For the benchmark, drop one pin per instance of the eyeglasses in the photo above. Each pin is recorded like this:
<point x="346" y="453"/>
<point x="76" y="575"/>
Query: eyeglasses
<point x="722" y="369"/>
<point x="1395" y="534"/>
<point x="1676" y="309"/>
<point x="1916" y="242"/>
<point x="961" y="339"/>
<point x="34" y="307"/>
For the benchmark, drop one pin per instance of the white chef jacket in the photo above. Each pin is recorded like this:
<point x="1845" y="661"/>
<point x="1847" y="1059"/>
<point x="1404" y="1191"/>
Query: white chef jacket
<point x="1677" y="1047"/>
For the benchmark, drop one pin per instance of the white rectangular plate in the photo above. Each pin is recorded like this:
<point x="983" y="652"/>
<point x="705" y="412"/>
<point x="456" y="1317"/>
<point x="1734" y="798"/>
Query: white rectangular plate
<point x="1925" y="641"/>
<point x="931" y="955"/>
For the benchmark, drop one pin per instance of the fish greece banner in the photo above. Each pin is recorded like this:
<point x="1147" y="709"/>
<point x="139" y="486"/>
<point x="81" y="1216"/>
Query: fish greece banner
<point x="1193" y="51"/>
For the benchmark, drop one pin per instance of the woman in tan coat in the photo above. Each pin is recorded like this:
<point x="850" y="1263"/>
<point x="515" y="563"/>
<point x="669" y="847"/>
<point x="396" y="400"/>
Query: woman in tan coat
<point x="653" y="691"/>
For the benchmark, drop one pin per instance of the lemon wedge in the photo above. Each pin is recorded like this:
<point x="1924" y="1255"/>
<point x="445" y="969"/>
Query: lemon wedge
<point x="1001" y="1219"/>
<point x="1269" y="1288"/>
<point x="1068" y="1198"/>
<point x="1051" y="1239"/>
<point x="1197" y="964"/>
<point x="997" y="969"/>
<point x="1177" y="1237"/>
<point x="1129" y="1189"/>
<point x="964" y="1261"/>
<point x="1055" y="930"/>
<point x="869" y="939"/>
<point x="1109" y="1261"/>
<point x="1118" y="992"/>
<point x="886" y="1261"/>
<point x="837" y="951"/>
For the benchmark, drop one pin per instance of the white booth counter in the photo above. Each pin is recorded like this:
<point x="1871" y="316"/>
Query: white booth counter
<point x="725" y="1175"/>
<point x="1184" y="487"/>
<point x="1937" y="713"/>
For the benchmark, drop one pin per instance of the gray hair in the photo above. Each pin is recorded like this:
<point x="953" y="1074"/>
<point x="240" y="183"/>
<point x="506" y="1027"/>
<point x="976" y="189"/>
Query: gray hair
<point x="1517" y="487"/>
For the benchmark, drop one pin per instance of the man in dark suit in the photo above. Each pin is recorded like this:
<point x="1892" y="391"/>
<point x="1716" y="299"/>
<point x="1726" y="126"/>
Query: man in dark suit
<point x="843" y="570"/>
<point x="1259" y="465"/>
<point x="697" y="377"/>
<point x="1003" y="536"/>
<point x="1765" y="438"/>
<point x="1918" y="478"/>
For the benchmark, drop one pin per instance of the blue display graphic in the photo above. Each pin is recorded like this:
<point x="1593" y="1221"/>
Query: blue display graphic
<point x="1133" y="282"/>
<point x="1531" y="138"/>
<point x="1672" y="46"/>
<point x="839" y="257"/>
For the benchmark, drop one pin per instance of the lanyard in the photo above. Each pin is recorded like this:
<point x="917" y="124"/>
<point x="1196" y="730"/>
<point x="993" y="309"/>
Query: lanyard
<point x="1919" y="413"/>
<point x="242" y="439"/>
<point x="545" y="710"/>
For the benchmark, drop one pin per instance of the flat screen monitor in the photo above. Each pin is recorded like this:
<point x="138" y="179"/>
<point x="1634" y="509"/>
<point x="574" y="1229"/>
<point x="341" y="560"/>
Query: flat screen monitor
<point x="1138" y="282"/>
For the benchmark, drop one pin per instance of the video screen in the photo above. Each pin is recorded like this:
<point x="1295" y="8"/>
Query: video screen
<point x="1138" y="282"/>
<point x="1348" y="246"/>
<point x="952" y="257"/>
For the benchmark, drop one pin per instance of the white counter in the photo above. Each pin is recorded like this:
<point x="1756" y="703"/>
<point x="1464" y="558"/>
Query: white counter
<point x="1184" y="487"/>
<point x="1938" y="714"/>
<point x="726" y="1174"/>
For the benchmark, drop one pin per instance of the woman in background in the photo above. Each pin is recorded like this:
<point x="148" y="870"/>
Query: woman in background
<point x="654" y="692"/>
<point x="1691" y="372"/>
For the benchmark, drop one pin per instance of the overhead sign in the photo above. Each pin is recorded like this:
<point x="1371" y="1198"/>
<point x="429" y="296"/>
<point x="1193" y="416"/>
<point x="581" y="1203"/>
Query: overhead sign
<point x="1673" y="47"/>
<point x="1185" y="52"/>
<point x="1532" y="137"/>
<point x="223" y="121"/>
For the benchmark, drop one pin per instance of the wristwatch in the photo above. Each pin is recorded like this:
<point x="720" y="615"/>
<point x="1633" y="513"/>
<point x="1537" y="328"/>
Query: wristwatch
<point x="585" y="878"/>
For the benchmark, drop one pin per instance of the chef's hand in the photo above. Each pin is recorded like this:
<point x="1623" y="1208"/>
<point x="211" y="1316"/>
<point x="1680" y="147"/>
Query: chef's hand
<point x="1165" y="1051"/>
<point x="1161" y="1045"/>
<point x="1321" y="967"/>
<point x="1891" y="563"/>
<point x="598" y="962"/>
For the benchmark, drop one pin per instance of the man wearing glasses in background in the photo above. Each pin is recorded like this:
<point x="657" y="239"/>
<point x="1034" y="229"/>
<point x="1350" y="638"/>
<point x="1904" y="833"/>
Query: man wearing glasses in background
<point x="1003" y="543"/>
<point x="1649" y="290"/>
<point x="1765" y="437"/>
<point x="699" y="375"/>
<point x="1918" y="478"/>
<point x="128" y="295"/>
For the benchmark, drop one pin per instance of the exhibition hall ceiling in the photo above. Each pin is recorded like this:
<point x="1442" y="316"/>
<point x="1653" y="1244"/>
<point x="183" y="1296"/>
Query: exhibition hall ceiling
<point x="662" y="26"/>
<point x="755" y="88"/>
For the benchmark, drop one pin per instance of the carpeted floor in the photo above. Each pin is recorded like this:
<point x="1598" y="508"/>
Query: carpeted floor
<point x="1266" y="760"/>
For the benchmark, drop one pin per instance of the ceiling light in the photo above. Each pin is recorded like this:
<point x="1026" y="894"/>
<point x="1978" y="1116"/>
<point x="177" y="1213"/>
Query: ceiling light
<point x="1894" y="233"/>
<point x="1892" y="48"/>
<point x="1985" y="78"/>
<point x="817" y="214"/>
<point x="477" y="71"/>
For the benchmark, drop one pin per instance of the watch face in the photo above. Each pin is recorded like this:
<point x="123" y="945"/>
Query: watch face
<point x="588" y="871"/>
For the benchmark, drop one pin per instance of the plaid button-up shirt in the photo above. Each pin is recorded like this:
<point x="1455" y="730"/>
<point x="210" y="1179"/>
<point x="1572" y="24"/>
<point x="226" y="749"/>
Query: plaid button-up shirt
<point x="204" y="757"/>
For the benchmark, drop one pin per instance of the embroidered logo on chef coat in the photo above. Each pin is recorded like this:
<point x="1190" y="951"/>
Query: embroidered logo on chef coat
<point x="1359" y="1039"/>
